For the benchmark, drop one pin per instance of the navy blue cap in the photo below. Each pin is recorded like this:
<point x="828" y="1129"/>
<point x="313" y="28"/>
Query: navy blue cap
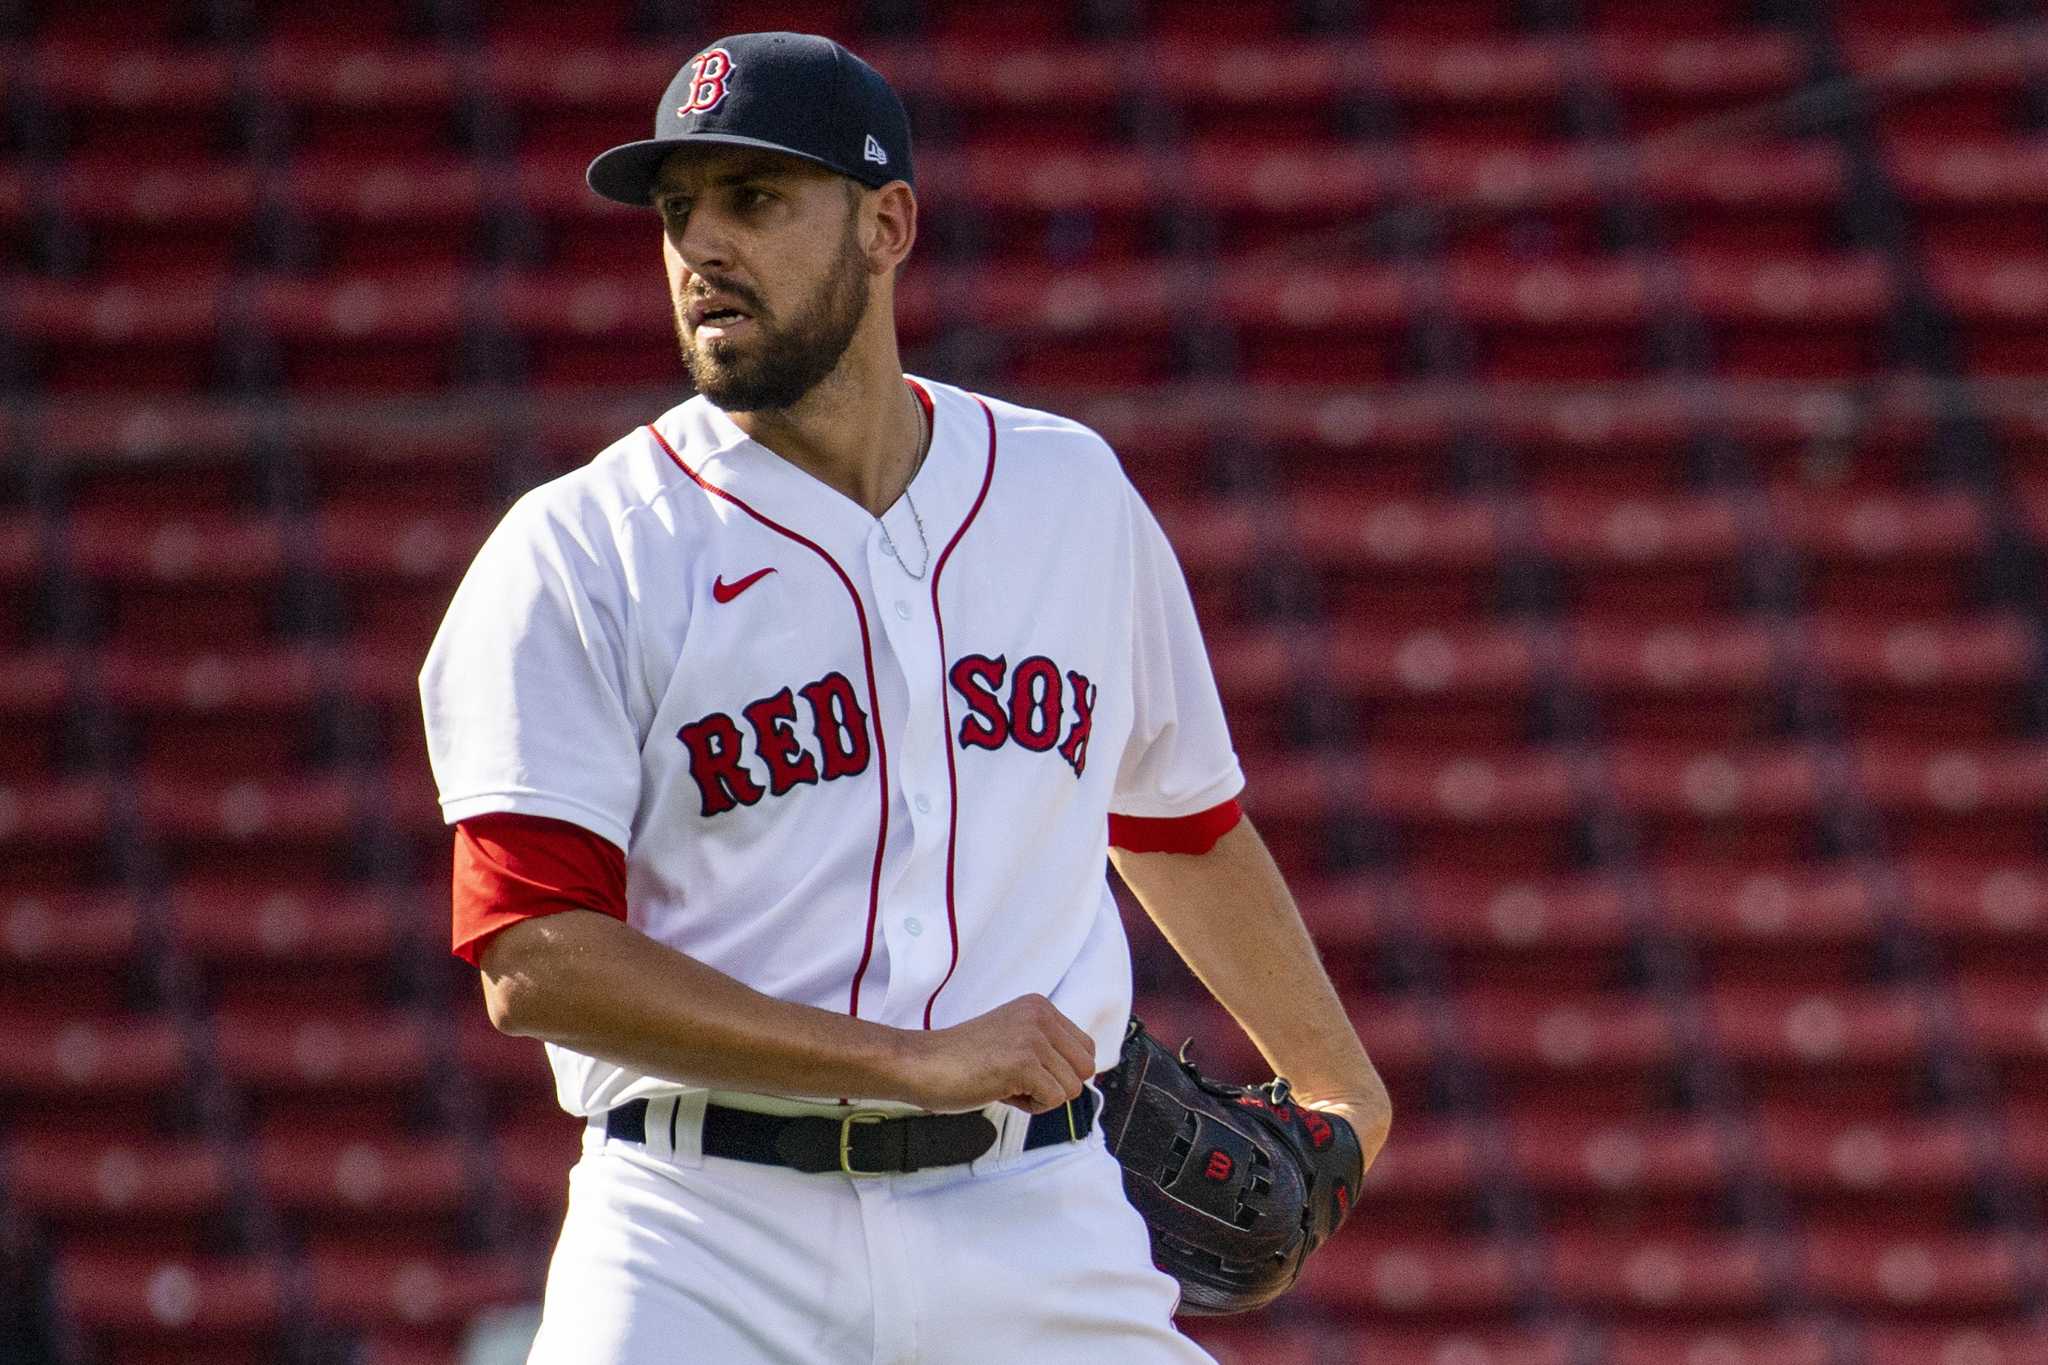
<point x="794" y="93"/>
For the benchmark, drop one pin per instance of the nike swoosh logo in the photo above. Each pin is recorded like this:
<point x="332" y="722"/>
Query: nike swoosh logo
<point x="722" y="591"/>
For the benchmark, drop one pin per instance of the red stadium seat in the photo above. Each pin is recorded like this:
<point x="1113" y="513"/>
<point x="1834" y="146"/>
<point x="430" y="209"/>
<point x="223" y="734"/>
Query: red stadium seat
<point x="82" y="337"/>
<point x="61" y="1061"/>
<point x="359" y="215"/>
<point x="379" y="99"/>
<point x="1996" y="299"/>
<point x="1606" y="1053"/>
<point x="1594" y="439"/>
<point x="1892" y="555"/>
<point x="1908" y="1175"/>
<point x="1681" y="1277"/>
<point x="388" y="335"/>
<point x="577" y="332"/>
<point x="131" y="1299"/>
<point x="1743" y="1346"/>
<point x="1101" y="327"/>
<point x="1510" y="809"/>
<point x="1706" y="682"/>
<point x="367" y="1189"/>
<point x="295" y="829"/>
<point x="1643" y="559"/>
<point x="1992" y="1343"/>
<point x="1958" y="1276"/>
<point x="190" y="224"/>
<point x="2004" y="1018"/>
<point x="1405" y="561"/>
<point x="1666" y="84"/>
<point x="1437" y="1279"/>
<point x="1425" y="1181"/>
<point x="1650" y="1174"/>
<point x="1864" y="1049"/>
<point x="1451" y="684"/>
<point x="57" y="833"/>
<point x="35" y="689"/>
<point x="158" y="1193"/>
<point x="1984" y="913"/>
<point x="1507" y="1346"/>
<point x="1568" y="932"/>
<point x="69" y="949"/>
<point x="1833" y="442"/>
<point x="253" y="943"/>
<point x="1563" y="320"/>
<point x="1803" y="317"/>
<point x="215" y="715"/>
<point x="346" y="1066"/>
<point x="1973" y="194"/>
<point x="1715" y="203"/>
<point x="104" y="85"/>
<point x="1983" y="801"/>
<point x="1742" y="803"/>
<point x="1808" y="923"/>
<point x="166" y="579"/>
<point x="397" y="575"/>
<point x="369" y="1288"/>
<point x="1958" y="680"/>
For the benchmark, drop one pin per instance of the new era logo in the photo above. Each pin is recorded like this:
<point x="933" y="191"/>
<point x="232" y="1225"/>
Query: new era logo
<point x="873" y="152"/>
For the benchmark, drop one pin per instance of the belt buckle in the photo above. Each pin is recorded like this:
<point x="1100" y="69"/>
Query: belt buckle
<point x="846" y="1140"/>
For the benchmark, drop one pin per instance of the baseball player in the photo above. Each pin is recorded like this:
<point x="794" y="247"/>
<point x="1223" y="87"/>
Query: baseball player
<point x="785" y="744"/>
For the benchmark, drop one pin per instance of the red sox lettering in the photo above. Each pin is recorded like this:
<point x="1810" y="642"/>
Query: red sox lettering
<point x="1033" y="714"/>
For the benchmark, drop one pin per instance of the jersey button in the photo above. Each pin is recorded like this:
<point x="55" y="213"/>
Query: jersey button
<point x="923" y="804"/>
<point x="902" y="610"/>
<point x="913" y="926"/>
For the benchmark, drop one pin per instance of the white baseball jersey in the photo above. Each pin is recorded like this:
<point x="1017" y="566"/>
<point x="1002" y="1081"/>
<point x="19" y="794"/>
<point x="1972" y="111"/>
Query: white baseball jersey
<point x="859" y="783"/>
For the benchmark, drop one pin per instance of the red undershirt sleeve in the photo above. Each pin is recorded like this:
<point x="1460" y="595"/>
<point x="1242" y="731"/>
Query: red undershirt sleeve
<point x="1195" y="833"/>
<point x="511" y="867"/>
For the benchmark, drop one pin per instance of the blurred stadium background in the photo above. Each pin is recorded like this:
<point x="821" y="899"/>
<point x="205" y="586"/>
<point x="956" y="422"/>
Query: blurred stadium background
<point x="1609" y="445"/>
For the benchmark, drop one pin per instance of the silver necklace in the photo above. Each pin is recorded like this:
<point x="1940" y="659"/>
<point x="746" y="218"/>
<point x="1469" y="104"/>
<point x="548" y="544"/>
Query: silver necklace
<point x="889" y="541"/>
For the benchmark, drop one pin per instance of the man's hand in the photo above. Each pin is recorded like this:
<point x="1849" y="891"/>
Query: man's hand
<point x="1024" y="1053"/>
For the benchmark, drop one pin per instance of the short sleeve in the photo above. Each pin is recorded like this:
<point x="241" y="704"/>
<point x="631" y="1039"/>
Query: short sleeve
<point x="525" y="689"/>
<point x="1179" y="760"/>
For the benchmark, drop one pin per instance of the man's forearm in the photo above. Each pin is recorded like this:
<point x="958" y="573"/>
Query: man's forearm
<point x="597" y="986"/>
<point x="1229" y="915"/>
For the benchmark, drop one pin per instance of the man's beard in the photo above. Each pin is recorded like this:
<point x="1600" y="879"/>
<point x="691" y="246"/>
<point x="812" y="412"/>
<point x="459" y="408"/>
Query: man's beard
<point x="784" y="363"/>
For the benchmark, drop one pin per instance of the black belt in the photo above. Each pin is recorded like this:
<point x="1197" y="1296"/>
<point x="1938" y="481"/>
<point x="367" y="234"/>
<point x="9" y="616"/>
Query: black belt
<point x="864" y="1142"/>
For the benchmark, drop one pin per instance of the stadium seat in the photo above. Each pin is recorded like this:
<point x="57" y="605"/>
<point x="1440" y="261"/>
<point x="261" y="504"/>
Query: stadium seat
<point x="1643" y="560"/>
<point x="1401" y="561"/>
<point x="156" y="1193"/>
<point x="1861" y="1048"/>
<point x="1606" y="1053"/>
<point x="1565" y="932"/>
<point x="1441" y="1279"/>
<point x="1742" y="803"/>
<point x="1959" y="1276"/>
<point x="1743" y="1346"/>
<point x="70" y="949"/>
<point x="1708" y="682"/>
<point x="1908" y="1175"/>
<point x="1811" y="923"/>
<point x="1669" y="1277"/>
<point x="130" y="1299"/>
<point x="1993" y="1343"/>
<point x="1647" y="1173"/>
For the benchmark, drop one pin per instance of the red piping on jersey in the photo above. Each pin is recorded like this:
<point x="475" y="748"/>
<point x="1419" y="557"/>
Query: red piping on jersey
<point x="867" y="651"/>
<point x="946" y="702"/>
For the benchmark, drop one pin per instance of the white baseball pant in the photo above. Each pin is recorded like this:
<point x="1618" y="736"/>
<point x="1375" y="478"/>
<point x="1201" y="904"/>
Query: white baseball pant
<point x="669" y="1257"/>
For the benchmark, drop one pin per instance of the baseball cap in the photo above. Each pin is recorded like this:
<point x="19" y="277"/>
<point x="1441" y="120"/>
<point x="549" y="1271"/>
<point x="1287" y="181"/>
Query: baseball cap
<point x="794" y="93"/>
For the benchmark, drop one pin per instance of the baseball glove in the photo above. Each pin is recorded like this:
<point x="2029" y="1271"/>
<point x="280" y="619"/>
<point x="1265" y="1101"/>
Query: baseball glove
<point x="1238" y="1184"/>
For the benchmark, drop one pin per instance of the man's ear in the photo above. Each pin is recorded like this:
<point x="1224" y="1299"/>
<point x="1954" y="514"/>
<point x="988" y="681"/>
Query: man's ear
<point x="889" y="225"/>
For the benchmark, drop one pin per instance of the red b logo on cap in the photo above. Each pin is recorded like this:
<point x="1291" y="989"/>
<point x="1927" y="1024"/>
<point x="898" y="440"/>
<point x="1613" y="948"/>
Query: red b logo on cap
<point x="710" y="72"/>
